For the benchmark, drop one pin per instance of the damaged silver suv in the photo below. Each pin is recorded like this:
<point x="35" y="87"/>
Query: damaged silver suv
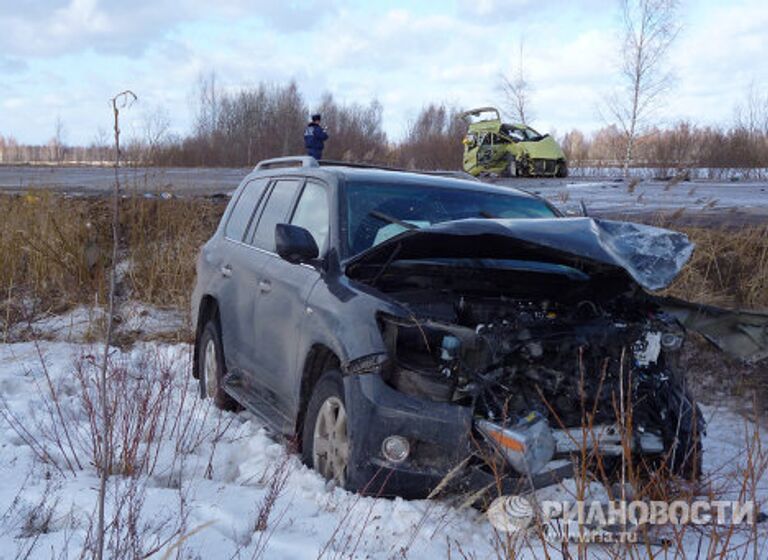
<point x="414" y="332"/>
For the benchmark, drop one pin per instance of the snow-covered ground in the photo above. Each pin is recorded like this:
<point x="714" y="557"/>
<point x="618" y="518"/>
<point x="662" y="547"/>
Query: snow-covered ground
<point x="209" y="475"/>
<point x="700" y="198"/>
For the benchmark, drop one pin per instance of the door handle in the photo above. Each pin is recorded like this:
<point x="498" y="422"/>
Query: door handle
<point x="226" y="271"/>
<point x="265" y="286"/>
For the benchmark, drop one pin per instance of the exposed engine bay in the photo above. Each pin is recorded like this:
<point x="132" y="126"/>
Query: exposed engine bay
<point x="544" y="328"/>
<point x="588" y="356"/>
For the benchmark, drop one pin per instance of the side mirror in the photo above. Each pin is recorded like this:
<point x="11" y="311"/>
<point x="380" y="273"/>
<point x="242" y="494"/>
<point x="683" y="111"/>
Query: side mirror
<point x="295" y="244"/>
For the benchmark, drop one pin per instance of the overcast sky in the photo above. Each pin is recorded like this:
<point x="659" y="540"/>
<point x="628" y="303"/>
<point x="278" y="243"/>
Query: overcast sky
<point x="66" y="58"/>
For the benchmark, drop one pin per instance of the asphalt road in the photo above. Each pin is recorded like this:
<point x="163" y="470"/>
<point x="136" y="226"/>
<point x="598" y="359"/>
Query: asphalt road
<point x="730" y="203"/>
<point x="100" y="180"/>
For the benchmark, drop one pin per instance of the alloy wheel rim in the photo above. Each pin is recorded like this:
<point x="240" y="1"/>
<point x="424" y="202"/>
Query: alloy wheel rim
<point x="211" y="369"/>
<point x="330" y="449"/>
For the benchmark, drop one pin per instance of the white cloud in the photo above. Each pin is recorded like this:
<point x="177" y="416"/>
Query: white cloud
<point x="48" y="28"/>
<point x="85" y="50"/>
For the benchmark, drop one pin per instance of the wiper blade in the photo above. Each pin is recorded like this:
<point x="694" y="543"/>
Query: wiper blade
<point x="391" y="219"/>
<point x="385" y="266"/>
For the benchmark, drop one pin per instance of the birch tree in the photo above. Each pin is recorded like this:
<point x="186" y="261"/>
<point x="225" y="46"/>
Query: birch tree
<point x="649" y="30"/>
<point x="517" y="91"/>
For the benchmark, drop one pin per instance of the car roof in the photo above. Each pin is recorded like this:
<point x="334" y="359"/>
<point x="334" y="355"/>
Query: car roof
<point x="393" y="177"/>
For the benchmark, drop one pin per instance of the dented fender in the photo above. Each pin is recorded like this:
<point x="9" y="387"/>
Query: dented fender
<point x="740" y="334"/>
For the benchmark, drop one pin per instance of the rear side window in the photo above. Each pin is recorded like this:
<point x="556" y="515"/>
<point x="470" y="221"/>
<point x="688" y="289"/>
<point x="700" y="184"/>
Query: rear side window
<point x="275" y="212"/>
<point x="312" y="212"/>
<point x="244" y="208"/>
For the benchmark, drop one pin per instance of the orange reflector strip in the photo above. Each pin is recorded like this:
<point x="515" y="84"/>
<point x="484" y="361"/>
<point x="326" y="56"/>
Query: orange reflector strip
<point x="508" y="442"/>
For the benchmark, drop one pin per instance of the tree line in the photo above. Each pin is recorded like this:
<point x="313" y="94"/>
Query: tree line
<point x="243" y="127"/>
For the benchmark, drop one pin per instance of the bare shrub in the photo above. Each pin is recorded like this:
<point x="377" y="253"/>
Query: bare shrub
<point x="158" y="423"/>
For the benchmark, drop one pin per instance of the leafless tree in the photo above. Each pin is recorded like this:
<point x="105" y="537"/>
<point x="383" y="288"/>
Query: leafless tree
<point x="356" y="132"/>
<point x="517" y="91"/>
<point x="98" y="150"/>
<point x="649" y="29"/>
<point x="120" y="101"/>
<point x="752" y="114"/>
<point x="433" y="140"/>
<point x="156" y="125"/>
<point x="56" y="143"/>
<point x="207" y="105"/>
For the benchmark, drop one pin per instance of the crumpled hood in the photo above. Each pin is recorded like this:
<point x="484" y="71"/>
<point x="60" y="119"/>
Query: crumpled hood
<point x="651" y="256"/>
<point x="546" y="148"/>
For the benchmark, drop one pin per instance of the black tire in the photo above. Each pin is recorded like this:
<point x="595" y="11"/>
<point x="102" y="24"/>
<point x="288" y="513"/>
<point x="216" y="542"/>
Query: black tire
<point x="511" y="169"/>
<point x="523" y="167"/>
<point x="210" y="338"/>
<point x="329" y="387"/>
<point x="562" y="170"/>
<point x="682" y="438"/>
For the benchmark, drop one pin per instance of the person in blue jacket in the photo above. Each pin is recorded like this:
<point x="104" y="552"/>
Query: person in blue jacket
<point x="315" y="137"/>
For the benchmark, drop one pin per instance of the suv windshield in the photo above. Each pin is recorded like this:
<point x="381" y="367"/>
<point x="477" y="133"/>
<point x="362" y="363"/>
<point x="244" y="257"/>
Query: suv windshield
<point x="378" y="211"/>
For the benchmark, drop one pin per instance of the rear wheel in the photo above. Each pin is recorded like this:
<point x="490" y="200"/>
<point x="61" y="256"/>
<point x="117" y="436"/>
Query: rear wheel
<point x="212" y="368"/>
<point x="325" y="436"/>
<point x="562" y="169"/>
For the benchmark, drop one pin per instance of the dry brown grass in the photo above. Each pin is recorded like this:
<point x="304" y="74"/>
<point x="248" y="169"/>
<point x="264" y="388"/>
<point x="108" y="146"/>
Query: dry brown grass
<point x="55" y="251"/>
<point x="54" y="254"/>
<point x="729" y="267"/>
<point x="163" y="238"/>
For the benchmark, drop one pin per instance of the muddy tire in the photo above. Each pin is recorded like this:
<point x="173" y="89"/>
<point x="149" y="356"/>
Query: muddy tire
<point x="325" y="442"/>
<point x="212" y="368"/>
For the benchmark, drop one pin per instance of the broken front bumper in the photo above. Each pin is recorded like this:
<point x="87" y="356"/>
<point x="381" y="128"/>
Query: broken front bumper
<point x="445" y="445"/>
<point x="439" y="435"/>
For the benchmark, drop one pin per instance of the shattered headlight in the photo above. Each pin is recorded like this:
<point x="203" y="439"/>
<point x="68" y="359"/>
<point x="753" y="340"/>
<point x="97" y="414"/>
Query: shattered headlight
<point x="426" y="355"/>
<point x="664" y="338"/>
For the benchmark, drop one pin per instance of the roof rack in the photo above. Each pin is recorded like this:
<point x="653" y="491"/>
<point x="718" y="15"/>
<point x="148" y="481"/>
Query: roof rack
<point x="309" y="161"/>
<point x="290" y="161"/>
<point x="360" y="165"/>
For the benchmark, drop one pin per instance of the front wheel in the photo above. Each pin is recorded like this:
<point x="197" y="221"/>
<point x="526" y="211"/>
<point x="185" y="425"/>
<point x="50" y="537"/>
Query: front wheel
<point x="684" y="432"/>
<point x="511" y="168"/>
<point x="325" y="435"/>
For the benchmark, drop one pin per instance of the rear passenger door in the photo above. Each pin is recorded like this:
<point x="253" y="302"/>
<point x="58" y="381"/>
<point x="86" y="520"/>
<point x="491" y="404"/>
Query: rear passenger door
<point x="239" y="268"/>
<point x="282" y="307"/>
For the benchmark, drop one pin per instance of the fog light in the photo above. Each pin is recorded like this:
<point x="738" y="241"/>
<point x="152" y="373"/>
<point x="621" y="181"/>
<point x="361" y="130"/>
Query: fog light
<point x="395" y="449"/>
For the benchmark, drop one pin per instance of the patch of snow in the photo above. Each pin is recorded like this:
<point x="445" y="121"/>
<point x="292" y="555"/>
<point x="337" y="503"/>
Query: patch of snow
<point x="138" y="317"/>
<point x="223" y="481"/>
<point x="73" y="326"/>
<point x="83" y="323"/>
